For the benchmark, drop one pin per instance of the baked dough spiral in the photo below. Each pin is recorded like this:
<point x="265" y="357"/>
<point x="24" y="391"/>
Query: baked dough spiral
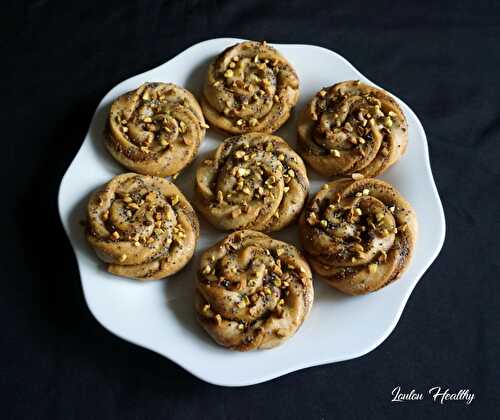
<point x="358" y="235"/>
<point x="252" y="291"/>
<point x="249" y="87"/>
<point x="155" y="129"/>
<point x="352" y="127"/>
<point x="252" y="181"/>
<point x="142" y="226"/>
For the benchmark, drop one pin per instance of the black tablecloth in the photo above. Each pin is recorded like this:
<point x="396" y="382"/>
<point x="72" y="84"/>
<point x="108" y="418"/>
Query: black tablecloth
<point x="59" y="59"/>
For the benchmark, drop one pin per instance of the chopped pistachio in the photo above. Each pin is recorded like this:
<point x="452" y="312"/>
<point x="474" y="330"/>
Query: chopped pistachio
<point x="358" y="247"/>
<point x="312" y="219"/>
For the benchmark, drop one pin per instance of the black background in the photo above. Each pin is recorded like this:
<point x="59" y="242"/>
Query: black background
<point x="59" y="59"/>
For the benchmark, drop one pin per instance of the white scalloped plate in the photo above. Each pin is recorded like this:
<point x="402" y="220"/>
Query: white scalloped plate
<point x="159" y="315"/>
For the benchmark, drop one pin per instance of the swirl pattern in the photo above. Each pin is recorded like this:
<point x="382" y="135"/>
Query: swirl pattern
<point x="142" y="226"/>
<point x="358" y="235"/>
<point x="253" y="181"/>
<point x="155" y="129"/>
<point x="352" y="127"/>
<point x="252" y="291"/>
<point x="249" y="87"/>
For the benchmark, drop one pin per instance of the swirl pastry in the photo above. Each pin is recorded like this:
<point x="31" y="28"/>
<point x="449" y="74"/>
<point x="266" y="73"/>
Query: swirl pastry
<point x="352" y="127"/>
<point x="252" y="291"/>
<point x="253" y="181"/>
<point x="249" y="87"/>
<point x="155" y="129"/>
<point x="358" y="235"/>
<point x="142" y="226"/>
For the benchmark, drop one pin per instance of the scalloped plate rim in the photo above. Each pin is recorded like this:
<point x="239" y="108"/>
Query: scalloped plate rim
<point x="298" y="366"/>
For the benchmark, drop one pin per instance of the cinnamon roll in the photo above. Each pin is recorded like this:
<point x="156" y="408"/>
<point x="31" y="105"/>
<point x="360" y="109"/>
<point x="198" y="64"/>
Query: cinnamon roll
<point x="253" y="181"/>
<point x="155" y="129"/>
<point x="358" y="235"/>
<point x="252" y="292"/>
<point x="352" y="127"/>
<point x="249" y="87"/>
<point x="142" y="227"/>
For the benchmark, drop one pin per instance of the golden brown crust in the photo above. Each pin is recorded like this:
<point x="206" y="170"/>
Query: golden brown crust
<point x="352" y="127"/>
<point x="358" y="235"/>
<point x="252" y="181"/>
<point x="155" y="129"/>
<point x="249" y="87"/>
<point x="252" y="291"/>
<point x="142" y="226"/>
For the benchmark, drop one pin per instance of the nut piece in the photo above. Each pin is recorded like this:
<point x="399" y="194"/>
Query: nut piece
<point x="174" y="200"/>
